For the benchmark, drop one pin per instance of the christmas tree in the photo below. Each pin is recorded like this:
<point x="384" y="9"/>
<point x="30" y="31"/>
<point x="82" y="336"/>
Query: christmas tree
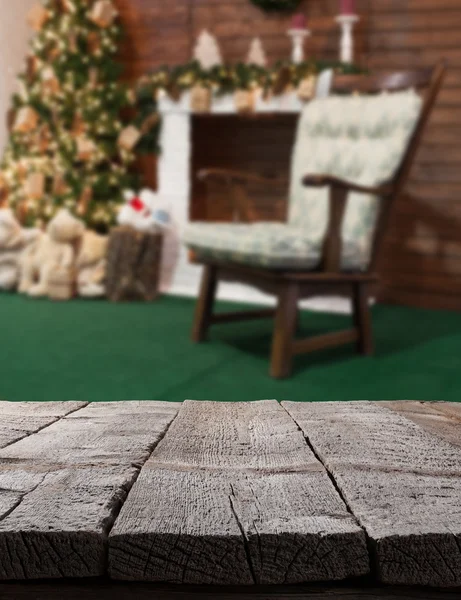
<point x="68" y="144"/>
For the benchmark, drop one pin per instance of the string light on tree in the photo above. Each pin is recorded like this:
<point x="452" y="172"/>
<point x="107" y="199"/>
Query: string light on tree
<point x="64" y="126"/>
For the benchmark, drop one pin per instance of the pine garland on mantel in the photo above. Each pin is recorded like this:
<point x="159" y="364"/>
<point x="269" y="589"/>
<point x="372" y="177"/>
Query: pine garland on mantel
<point x="275" y="80"/>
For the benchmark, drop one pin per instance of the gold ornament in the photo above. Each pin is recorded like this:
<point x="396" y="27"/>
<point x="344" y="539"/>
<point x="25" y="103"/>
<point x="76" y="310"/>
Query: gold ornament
<point x="78" y="125"/>
<point x="42" y="138"/>
<point x="244" y="101"/>
<point x="34" y="186"/>
<point x="84" y="201"/>
<point x="31" y="67"/>
<point x="60" y="186"/>
<point x="306" y="88"/>
<point x="103" y="13"/>
<point x="50" y="81"/>
<point x="93" y="77"/>
<point x="26" y="120"/>
<point x="93" y="41"/>
<point x="37" y="17"/>
<point x="128" y="138"/>
<point x="200" y="99"/>
<point x="85" y="148"/>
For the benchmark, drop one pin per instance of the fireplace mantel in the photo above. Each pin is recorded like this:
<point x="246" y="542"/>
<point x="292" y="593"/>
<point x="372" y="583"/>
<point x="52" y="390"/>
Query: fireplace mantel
<point x="225" y="105"/>
<point x="174" y="184"/>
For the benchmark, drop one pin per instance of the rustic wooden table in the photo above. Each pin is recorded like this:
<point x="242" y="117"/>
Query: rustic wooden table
<point x="128" y="500"/>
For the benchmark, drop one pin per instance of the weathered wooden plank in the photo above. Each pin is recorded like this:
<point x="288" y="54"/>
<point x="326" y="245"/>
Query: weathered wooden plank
<point x="430" y="416"/>
<point x="107" y="590"/>
<point x="233" y="495"/>
<point x="20" y="419"/>
<point x="402" y="484"/>
<point x="451" y="409"/>
<point x="61" y="488"/>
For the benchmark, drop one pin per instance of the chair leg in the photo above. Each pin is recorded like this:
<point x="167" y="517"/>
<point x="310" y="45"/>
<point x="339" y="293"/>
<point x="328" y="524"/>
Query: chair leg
<point x="362" y="319"/>
<point x="204" y="308"/>
<point x="284" y="331"/>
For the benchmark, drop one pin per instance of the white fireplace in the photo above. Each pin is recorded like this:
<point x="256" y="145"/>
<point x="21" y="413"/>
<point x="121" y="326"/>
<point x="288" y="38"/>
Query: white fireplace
<point x="179" y="276"/>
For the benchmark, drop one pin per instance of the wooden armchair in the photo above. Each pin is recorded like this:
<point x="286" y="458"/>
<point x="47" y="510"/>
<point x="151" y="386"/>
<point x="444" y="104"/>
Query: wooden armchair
<point x="329" y="265"/>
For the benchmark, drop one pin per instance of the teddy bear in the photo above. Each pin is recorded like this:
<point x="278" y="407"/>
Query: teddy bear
<point x="48" y="266"/>
<point x="13" y="240"/>
<point x="91" y="265"/>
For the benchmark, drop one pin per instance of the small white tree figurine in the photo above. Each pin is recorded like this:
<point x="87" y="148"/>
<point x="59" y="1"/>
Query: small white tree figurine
<point x="207" y="51"/>
<point x="257" y="55"/>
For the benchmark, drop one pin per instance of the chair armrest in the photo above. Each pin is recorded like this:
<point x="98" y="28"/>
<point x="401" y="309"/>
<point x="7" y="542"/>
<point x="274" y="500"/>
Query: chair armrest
<point x="339" y="189"/>
<point x="324" y="180"/>
<point x="240" y="176"/>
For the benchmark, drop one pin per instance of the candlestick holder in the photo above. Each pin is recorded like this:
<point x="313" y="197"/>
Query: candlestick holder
<point x="298" y="37"/>
<point x="347" y="23"/>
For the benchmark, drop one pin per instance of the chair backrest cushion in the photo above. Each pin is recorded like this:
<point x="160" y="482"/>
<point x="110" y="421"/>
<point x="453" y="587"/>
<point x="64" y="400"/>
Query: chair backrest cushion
<point x="358" y="138"/>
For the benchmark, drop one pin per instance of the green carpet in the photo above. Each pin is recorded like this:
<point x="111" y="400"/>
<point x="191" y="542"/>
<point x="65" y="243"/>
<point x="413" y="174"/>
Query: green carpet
<point x="93" y="350"/>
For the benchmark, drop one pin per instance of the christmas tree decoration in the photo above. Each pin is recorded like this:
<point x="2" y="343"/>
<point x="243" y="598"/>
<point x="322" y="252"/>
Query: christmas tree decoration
<point x="84" y="201"/>
<point x="67" y="119"/>
<point x="26" y="120"/>
<point x="31" y="68"/>
<point x="306" y="88"/>
<point x="59" y="184"/>
<point x="244" y="101"/>
<point x="50" y="81"/>
<point x="78" y="125"/>
<point x="34" y="186"/>
<point x="37" y="17"/>
<point x="103" y="13"/>
<point x="256" y="55"/>
<point x="86" y="148"/>
<point x="129" y="137"/>
<point x="200" y="99"/>
<point x="207" y="52"/>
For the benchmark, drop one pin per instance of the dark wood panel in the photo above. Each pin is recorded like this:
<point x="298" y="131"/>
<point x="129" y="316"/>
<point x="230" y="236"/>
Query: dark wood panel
<point x="255" y="145"/>
<point x="402" y="6"/>
<point x="107" y="590"/>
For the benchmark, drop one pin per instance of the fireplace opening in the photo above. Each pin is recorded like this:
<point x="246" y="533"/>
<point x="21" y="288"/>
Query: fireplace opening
<point x="259" y="143"/>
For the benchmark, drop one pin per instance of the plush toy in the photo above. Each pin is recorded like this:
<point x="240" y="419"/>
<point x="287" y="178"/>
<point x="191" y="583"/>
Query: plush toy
<point x="144" y="212"/>
<point x="91" y="265"/>
<point x="50" y="260"/>
<point x="13" y="240"/>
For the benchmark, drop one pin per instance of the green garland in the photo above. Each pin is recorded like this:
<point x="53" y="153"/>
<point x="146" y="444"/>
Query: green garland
<point x="277" y="5"/>
<point x="223" y="79"/>
<point x="226" y="79"/>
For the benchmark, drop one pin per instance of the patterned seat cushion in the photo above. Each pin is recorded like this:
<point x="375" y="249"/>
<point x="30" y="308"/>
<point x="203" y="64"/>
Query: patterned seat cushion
<point x="271" y="245"/>
<point x="358" y="138"/>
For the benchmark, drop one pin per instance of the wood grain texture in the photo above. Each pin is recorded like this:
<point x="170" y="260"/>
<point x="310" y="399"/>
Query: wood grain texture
<point x="104" y="590"/>
<point x="391" y="35"/>
<point x="402" y="484"/>
<point x="438" y="418"/>
<point x="20" y="419"/>
<point x="249" y="500"/>
<point x="61" y="488"/>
